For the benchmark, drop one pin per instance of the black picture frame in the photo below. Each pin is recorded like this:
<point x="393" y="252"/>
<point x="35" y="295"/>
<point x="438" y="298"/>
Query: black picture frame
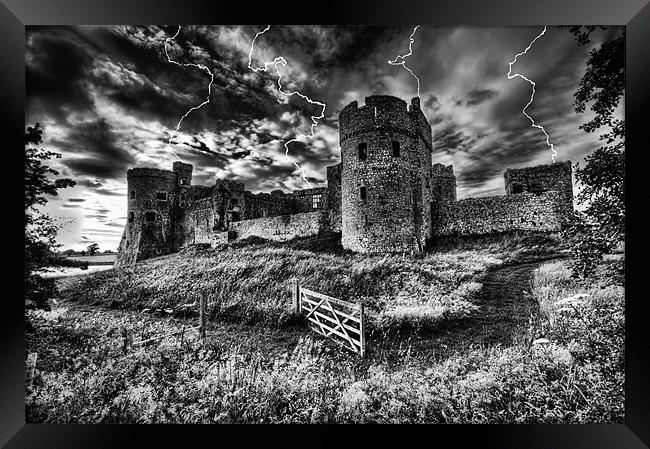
<point x="634" y="14"/>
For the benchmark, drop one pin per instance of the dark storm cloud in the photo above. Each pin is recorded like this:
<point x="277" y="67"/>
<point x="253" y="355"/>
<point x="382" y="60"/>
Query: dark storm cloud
<point x="478" y="96"/>
<point x="56" y="69"/>
<point x="240" y="154"/>
<point x="96" y="149"/>
<point x="99" y="187"/>
<point x="452" y="138"/>
<point x="431" y="103"/>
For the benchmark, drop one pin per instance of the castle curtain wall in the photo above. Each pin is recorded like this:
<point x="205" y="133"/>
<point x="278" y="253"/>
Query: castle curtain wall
<point x="494" y="214"/>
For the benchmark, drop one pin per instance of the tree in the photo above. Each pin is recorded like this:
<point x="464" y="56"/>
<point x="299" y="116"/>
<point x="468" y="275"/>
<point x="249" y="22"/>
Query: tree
<point x="601" y="226"/>
<point x="40" y="230"/>
<point x="92" y="249"/>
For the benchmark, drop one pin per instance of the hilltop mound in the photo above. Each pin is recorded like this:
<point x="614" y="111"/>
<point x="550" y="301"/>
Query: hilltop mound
<point x="250" y="282"/>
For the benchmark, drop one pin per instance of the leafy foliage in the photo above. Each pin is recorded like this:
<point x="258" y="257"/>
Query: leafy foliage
<point x="40" y="230"/>
<point x="92" y="249"/>
<point x="601" y="226"/>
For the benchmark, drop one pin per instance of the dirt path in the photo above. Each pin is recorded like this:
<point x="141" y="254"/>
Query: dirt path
<point x="506" y="304"/>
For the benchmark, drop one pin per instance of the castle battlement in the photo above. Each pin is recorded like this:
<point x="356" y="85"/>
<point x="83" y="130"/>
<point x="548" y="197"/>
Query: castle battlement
<point x="140" y="172"/>
<point x="380" y="112"/>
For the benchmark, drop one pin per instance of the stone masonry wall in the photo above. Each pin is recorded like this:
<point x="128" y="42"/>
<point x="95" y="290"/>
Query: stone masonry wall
<point x="279" y="228"/>
<point x="334" y="197"/>
<point x="541" y="178"/>
<point x="384" y="220"/>
<point x="266" y="205"/>
<point x="443" y="182"/>
<point x="304" y="200"/>
<point x="493" y="214"/>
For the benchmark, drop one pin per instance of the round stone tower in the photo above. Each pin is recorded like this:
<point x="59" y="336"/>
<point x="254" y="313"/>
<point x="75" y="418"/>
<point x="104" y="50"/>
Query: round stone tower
<point x="150" y="193"/>
<point x="382" y="183"/>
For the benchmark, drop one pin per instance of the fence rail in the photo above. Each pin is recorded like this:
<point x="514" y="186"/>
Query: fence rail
<point x="341" y="321"/>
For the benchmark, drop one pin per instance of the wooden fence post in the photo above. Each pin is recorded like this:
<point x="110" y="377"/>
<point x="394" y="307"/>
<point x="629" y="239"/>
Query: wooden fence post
<point x="362" y="332"/>
<point x="31" y="359"/>
<point x="127" y="335"/>
<point x="202" y="313"/>
<point x="295" y="293"/>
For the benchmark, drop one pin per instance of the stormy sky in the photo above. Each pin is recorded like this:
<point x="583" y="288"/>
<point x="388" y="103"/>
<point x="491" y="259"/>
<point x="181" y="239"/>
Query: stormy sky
<point x="109" y="99"/>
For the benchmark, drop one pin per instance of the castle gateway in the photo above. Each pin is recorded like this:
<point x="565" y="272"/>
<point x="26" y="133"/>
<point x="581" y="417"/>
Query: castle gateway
<point x="384" y="196"/>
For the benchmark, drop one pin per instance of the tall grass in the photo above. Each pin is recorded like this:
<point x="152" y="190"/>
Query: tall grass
<point x="251" y="284"/>
<point x="568" y="370"/>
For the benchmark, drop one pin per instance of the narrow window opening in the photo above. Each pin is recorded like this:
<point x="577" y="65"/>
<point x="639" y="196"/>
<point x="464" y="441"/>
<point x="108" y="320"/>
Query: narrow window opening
<point x="395" y="148"/>
<point x="375" y="111"/>
<point x="161" y="195"/>
<point x="182" y="181"/>
<point x="131" y="216"/>
<point x="132" y="194"/>
<point x="362" y="192"/>
<point x="363" y="151"/>
<point x="365" y="219"/>
<point x="316" y="199"/>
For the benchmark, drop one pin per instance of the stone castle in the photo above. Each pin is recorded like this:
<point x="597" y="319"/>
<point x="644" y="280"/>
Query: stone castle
<point x="384" y="196"/>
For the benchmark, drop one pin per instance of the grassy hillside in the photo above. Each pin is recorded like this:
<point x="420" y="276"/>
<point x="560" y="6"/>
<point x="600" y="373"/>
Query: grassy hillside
<point x="565" y="367"/>
<point x="250" y="282"/>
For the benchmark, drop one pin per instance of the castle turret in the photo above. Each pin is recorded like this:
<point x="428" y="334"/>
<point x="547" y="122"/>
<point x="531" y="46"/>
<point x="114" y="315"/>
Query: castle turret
<point x="151" y="193"/>
<point x="183" y="173"/>
<point x="385" y="175"/>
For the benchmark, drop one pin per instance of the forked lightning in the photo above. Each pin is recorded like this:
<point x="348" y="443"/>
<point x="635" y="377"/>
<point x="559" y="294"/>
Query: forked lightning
<point x="553" y="152"/>
<point x="280" y="60"/>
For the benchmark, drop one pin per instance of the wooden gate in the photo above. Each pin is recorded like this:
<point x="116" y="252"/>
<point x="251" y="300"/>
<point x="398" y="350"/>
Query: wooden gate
<point x="341" y="321"/>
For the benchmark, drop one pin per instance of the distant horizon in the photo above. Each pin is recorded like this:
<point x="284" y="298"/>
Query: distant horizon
<point x="109" y="100"/>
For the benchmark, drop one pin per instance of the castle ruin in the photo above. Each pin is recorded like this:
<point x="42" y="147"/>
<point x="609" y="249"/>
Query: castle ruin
<point x="384" y="196"/>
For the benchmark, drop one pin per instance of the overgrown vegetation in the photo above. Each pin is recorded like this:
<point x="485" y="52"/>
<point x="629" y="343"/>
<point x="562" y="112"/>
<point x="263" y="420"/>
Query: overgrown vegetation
<point x="40" y="230"/>
<point x="250" y="283"/>
<point x="566" y="367"/>
<point x="600" y="227"/>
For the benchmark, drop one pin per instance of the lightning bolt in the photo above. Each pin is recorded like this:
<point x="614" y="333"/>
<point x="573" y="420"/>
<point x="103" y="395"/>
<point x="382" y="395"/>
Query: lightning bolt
<point x="402" y="57"/>
<point x="207" y="100"/>
<point x="548" y="143"/>
<point x="314" y="118"/>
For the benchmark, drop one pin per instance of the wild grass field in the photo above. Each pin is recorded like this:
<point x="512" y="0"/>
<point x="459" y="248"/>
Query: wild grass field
<point x="491" y="330"/>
